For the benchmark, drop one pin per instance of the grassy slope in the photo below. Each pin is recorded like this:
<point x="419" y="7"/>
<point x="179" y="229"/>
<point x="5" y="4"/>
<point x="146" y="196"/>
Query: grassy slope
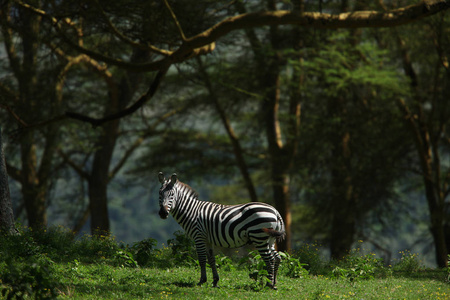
<point x="102" y="281"/>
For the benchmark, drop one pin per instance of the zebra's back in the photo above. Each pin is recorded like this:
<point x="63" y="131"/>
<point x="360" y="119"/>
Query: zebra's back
<point x="234" y="226"/>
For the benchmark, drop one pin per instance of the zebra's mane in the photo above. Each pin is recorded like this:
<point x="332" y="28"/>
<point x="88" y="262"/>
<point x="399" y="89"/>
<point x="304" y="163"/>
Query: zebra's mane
<point x="190" y="191"/>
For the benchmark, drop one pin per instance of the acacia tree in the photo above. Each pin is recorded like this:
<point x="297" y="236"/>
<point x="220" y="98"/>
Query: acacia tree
<point x="31" y="88"/>
<point x="427" y="115"/>
<point x="204" y="42"/>
<point x="359" y="142"/>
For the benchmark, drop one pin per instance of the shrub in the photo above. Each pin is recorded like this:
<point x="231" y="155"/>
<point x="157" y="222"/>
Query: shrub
<point x="292" y="267"/>
<point x="409" y="262"/>
<point x="183" y="249"/>
<point x="256" y="270"/>
<point x="225" y="263"/>
<point x="143" y="251"/>
<point x="356" y="266"/>
<point x="309" y="255"/>
<point x="32" y="276"/>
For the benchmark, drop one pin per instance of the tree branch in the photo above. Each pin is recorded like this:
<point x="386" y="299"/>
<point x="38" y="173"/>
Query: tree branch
<point x="128" y="111"/>
<point x="204" y="42"/>
<point x="124" y="38"/>
<point x="175" y="19"/>
<point x="77" y="168"/>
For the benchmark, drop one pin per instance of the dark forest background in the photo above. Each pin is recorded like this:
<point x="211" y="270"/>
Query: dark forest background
<point x="344" y="130"/>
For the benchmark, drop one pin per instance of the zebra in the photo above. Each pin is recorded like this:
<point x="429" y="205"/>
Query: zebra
<point x="210" y="224"/>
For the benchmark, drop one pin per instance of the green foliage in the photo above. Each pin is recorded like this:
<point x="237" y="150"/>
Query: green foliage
<point x="113" y="273"/>
<point x="225" y="263"/>
<point x="292" y="267"/>
<point x="310" y="256"/>
<point x="356" y="267"/>
<point x="143" y="251"/>
<point x="183" y="249"/>
<point x="256" y="270"/>
<point x="30" y="276"/>
<point x="409" y="262"/>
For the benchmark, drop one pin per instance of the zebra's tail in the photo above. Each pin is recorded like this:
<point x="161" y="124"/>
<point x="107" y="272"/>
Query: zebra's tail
<point x="278" y="234"/>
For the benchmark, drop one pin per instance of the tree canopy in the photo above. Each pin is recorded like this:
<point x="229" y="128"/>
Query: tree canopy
<point x="325" y="110"/>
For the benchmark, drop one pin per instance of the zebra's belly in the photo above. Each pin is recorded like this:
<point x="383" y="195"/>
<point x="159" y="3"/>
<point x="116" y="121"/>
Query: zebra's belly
<point x="227" y="241"/>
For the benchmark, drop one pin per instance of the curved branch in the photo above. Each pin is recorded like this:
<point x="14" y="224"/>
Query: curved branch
<point x="128" y="111"/>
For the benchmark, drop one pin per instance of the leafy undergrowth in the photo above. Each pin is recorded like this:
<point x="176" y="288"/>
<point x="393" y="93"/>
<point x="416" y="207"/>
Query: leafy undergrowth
<point x="52" y="264"/>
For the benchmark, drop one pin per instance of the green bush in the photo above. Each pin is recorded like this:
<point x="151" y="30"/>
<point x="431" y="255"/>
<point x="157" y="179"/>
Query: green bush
<point x="30" y="276"/>
<point x="309" y="255"/>
<point x="256" y="270"/>
<point x="225" y="263"/>
<point x="183" y="249"/>
<point x="292" y="267"/>
<point x="144" y="251"/>
<point x="409" y="262"/>
<point x="355" y="266"/>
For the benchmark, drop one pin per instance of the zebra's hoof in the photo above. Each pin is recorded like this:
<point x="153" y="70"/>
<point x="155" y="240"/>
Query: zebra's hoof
<point x="273" y="287"/>
<point x="200" y="283"/>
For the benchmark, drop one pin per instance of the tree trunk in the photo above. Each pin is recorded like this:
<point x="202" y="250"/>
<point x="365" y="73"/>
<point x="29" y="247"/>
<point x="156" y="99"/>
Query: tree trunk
<point x="34" y="193"/>
<point x="280" y="182"/>
<point x="343" y="204"/>
<point x="99" y="177"/>
<point x="6" y="212"/>
<point x="343" y="224"/>
<point x="279" y="159"/>
<point x="427" y="151"/>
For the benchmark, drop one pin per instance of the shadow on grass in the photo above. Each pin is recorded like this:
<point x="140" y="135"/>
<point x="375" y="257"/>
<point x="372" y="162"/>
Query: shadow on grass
<point x="184" y="284"/>
<point x="434" y="274"/>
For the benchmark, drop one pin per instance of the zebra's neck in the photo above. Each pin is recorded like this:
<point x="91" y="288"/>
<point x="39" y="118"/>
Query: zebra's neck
<point x="186" y="205"/>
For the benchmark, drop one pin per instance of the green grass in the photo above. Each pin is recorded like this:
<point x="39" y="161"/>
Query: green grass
<point x="51" y="264"/>
<point x="97" y="281"/>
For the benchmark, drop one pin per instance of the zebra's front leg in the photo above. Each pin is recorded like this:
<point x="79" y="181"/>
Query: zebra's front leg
<point x="212" y="263"/>
<point x="201" y="252"/>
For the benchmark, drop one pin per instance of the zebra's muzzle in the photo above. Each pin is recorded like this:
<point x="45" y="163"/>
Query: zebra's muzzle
<point x="163" y="212"/>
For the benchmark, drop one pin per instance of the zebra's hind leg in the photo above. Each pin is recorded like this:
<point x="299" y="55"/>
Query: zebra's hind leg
<point x="277" y="259"/>
<point x="269" y="260"/>
<point x="212" y="263"/>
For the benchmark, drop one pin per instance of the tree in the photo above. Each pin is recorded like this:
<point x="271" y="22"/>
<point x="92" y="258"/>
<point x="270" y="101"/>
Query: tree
<point x="352" y="124"/>
<point x="175" y="36"/>
<point x="32" y="88"/>
<point x="427" y="114"/>
<point x="6" y="213"/>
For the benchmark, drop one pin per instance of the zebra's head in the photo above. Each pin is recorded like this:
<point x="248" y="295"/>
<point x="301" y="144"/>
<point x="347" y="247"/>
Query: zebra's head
<point x="166" y="194"/>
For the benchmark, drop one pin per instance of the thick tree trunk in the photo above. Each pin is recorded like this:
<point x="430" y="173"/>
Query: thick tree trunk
<point x="343" y="224"/>
<point x="6" y="212"/>
<point x="99" y="177"/>
<point x="279" y="159"/>
<point x="343" y="205"/>
<point x="280" y="182"/>
<point x="33" y="191"/>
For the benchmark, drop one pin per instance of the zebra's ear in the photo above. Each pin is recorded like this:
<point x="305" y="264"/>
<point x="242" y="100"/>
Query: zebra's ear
<point x="161" y="177"/>
<point x="173" y="178"/>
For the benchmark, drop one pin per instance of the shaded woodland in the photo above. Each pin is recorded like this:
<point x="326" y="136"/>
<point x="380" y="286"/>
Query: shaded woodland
<point x="335" y="112"/>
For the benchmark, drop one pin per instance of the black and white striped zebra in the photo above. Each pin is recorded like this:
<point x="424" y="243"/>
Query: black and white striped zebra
<point x="211" y="224"/>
